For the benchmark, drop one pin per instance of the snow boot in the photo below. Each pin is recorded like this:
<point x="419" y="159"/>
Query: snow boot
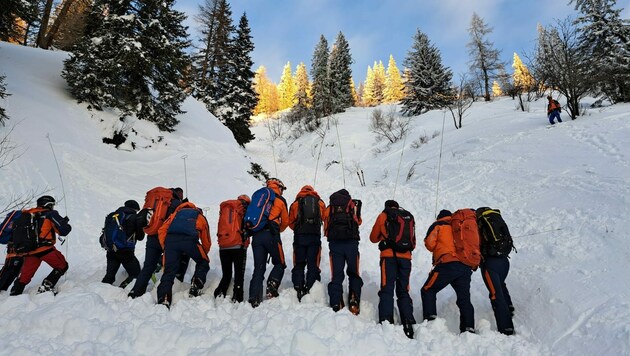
<point x="47" y="286"/>
<point x="338" y="307"/>
<point x="354" y="304"/>
<point x="272" y="288"/>
<point x="18" y="288"/>
<point x="255" y="302"/>
<point x="301" y="292"/>
<point x="238" y="294"/>
<point x="408" y="330"/>
<point x="195" y="288"/>
<point x="126" y="282"/>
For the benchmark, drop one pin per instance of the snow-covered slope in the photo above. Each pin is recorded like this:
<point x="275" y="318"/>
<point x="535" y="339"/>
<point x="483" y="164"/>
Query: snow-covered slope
<point x="564" y="191"/>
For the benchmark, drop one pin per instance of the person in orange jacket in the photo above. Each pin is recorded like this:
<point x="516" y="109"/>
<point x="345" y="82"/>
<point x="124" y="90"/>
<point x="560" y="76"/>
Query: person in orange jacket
<point x="266" y="242"/>
<point x="553" y="110"/>
<point x="447" y="269"/>
<point x="185" y="232"/>
<point x="395" y="264"/>
<point x="305" y="219"/>
<point x="50" y="225"/>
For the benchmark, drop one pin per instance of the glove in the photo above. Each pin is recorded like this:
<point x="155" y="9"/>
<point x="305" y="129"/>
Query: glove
<point x="65" y="220"/>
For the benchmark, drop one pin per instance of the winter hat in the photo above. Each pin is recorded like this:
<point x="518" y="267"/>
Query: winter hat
<point x="444" y="213"/>
<point x="245" y="198"/>
<point x="132" y="204"/>
<point x="391" y="204"/>
<point x="179" y="192"/>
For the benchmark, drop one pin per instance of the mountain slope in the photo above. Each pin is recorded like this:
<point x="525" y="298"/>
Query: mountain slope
<point x="564" y="191"/>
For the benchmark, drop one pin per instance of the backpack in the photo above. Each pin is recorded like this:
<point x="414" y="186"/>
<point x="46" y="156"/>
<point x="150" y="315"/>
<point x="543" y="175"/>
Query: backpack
<point x="185" y="223"/>
<point x="309" y="219"/>
<point x="401" y="230"/>
<point x="343" y="223"/>
<point x="114" y="237"/>
<point x="466" y="237"/>
<point x="494" y="233"/>
<point x="7" y="226"/>
<point x="26" y="232"/>
<point x="258" y="210"/>
<point x="157" y="201"/>
<point x="230" y="227"/>
<point x="558" y="106"/>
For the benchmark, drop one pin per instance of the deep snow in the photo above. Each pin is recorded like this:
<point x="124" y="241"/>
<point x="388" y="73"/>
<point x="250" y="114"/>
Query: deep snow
<point x="564" y="191"/>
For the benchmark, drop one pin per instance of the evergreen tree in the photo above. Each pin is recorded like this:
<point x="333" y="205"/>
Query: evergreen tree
<point x="3" y="95"/>
<point x="605" y="36"/>
<point x="287" y="88"/>
<point x="241" y="99"/>
<point x="394" y="88"/>
<point x="212" y="62"/>
<point x="302" y="93"/>
<point x="132" y="59"/>
<point x="368" y="96"/>
<point x="267" y="91"/>
<point x="522" y="79"/>
<point x="72" y="29"/>
<point x="320" y="88"/>
<point x="340" y="74"/>
<point x="484" y="58"/>
<point x="355" y="95"/>
<point x="428" y="81"/>
<point x="496" y="89"/>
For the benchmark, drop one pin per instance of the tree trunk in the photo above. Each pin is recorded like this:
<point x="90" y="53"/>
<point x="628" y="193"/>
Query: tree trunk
<point x="44" y="24"/>
<point x="50" y="36"/>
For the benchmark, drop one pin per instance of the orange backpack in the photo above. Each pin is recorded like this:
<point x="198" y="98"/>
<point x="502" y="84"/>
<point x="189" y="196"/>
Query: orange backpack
<point x="157" y="201"/>
<point x="230" y="229"/>
<point x="466" y="237"/>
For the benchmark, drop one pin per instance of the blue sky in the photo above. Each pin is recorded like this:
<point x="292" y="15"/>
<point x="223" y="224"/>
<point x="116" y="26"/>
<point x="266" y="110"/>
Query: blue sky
<point x="288" y="30"/>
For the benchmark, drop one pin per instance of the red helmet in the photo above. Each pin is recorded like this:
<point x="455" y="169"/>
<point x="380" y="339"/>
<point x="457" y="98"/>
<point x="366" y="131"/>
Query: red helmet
<point x="245" y="198"/>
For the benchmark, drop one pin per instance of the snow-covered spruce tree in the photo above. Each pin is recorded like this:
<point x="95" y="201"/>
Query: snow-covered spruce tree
<point x="340" y="74"/>
<point x="240" y="100"/>
<point x="427" y="84"/>
<point x="211" y="62"/>
<point x="132" y="59"/>
<point x="300" y="109"/>
<point x="286" y="88"/>
<point x="320" y="88"/>
<point x="606" y="37"/>
<point x="3" y="95"/>
<point x="484" y="58"/>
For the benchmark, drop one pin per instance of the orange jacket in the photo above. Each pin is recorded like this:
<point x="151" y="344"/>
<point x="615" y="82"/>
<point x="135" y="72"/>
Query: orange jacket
<point x="439" y="240"/>
<point x="51" y="225"/>
<point x="279" y="213"/>
<point x="552" y="106"/>
<point x="293" y="211"/>
<point x="379" y="233"/>
<point x="201" y="225"/>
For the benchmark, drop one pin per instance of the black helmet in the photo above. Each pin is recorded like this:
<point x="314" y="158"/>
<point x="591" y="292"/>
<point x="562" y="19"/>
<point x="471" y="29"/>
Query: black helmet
<point x="132" y="204"/>
<point x="46" y="201"/>
<point x="391" y="204"/>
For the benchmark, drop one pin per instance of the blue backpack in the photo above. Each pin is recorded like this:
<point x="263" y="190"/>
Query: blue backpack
<point x="6" y="228"/>
<point x="258" y="210"/>
<point x="114" y="237"/>
<point x="185" y="223"/>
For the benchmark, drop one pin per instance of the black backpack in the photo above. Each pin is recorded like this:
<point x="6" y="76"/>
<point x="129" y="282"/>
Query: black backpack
<point x="26" y="232"/>
<point x="309" y="218"/>
<point x="343" y="218"/>
<point x="495" y="238"/>
<point x="401" y="230"/>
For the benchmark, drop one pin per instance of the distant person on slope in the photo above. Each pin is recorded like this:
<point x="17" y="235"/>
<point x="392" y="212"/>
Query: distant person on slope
<point x="341" y="227"/>
<point x="122" y="229"/>
<point x="305" y="219"/>
<point x="233" y="244"/>
<point x="44" y="223"/>
<point x="447" y="269"/>
<point x="159" y="204"/>
<point x="265" y="219"/>
<point x="496" y="244"/>
<point x="184" y="234"/>
<point x="394" y="231"/>
<point x="553" y="110"/>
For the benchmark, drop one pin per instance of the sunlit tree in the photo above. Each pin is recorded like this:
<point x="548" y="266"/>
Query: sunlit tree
<point x="286" y="88"/>
<point x="394" y="88"/>
<point x="268" y="100"/>
<point x="496" y="89"/>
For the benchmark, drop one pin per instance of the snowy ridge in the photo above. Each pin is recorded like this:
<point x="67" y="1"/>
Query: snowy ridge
<point x="564" y="192"/>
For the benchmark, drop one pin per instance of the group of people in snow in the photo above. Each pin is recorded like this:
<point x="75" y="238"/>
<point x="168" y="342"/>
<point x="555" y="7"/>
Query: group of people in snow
<point x="177" y="231"/>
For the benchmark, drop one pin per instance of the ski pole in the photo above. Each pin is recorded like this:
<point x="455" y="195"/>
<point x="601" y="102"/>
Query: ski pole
<point x="343" y="171"/>
<point x="185" y="175"/>
<point x="63" y="190"/>
<point x="399" y="164"/>
<point x="437" y="187"/>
